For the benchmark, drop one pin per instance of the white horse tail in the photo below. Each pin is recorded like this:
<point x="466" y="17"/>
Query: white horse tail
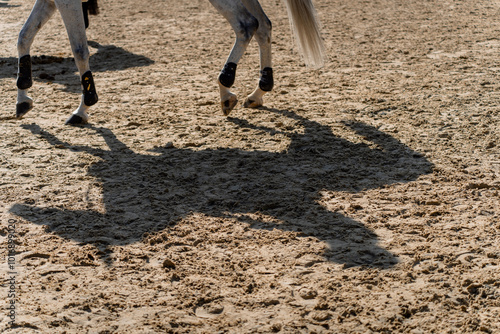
<point x="306" y="28"/>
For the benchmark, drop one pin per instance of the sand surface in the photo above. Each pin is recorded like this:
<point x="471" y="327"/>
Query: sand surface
<point x="363" y="198"/>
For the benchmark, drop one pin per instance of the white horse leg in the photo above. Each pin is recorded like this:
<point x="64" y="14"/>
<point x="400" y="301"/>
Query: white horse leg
<point x="244" y="25"/>
<point x="72" y="15"/>
<point x="40" y="14"/>
<point x="263" y="37"/>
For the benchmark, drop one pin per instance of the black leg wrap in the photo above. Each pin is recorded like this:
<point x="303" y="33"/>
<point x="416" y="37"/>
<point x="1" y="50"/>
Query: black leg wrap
<point x="266" y="82"/>
<point x="85" y="8"/>
<point x="89" y="93"/>
<point x="24" y="79"/>
<point x="227" y="75"/>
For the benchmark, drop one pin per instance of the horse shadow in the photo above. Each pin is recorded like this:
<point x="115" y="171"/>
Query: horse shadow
<point x="150" y="193"/>
<point x="5" y="4"/>
<point x="62" y="69"/>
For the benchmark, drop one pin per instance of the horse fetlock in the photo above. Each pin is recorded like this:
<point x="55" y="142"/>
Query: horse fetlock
<point x="89" y="92"/>
<point x="255" y="99"/>
<point x="79" y="116"/>
<point x="24" y="77"/>
<point x="228" y="74"/>
<point x="266" y="82"/>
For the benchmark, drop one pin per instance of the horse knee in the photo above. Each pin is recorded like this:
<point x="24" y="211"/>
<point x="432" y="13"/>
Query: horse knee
<point x="81" y="53"/>
<point x="247" y="28"/>
<point x="23" y="41"/>
<point x="263" y="34"/>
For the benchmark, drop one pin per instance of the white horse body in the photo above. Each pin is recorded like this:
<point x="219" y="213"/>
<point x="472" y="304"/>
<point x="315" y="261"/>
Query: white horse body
<point x="246" y="17"/>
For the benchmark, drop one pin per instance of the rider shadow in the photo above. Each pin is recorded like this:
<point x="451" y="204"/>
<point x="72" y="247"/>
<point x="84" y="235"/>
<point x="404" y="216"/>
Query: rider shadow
<point x="61" y="69"/>
<point x="150" y="193"/>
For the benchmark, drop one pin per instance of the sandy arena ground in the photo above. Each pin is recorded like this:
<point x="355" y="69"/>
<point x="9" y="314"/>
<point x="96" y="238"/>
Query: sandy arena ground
<point x="363" y="198"/>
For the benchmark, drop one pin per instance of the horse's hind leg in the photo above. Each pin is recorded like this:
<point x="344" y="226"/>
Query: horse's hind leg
<point x="40" y="14"/>
<point x="71" y="13"/>
<point x="263" y="37"/>
<point x="85" y="9"/>
<point x="244" y="25"/>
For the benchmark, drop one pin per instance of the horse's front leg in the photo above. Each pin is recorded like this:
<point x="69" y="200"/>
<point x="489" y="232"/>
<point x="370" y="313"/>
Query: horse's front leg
<point x="72" y="15"/>
<point x="263" y="37"/>
<point x="244" y="25"/>
<point x="40" y="14"/>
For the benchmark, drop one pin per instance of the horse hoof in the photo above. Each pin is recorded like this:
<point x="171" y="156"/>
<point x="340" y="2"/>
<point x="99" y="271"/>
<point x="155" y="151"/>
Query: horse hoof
<point x="250" y="103"/>
<point x="76" y="120"/>
<point x="22" y="108"/>
<point x="229" y="104"/>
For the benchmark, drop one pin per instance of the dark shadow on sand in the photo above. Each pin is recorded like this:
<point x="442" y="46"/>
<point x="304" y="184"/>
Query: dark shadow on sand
<point x="54" y="69"/>
<point x="150" y="193"/>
